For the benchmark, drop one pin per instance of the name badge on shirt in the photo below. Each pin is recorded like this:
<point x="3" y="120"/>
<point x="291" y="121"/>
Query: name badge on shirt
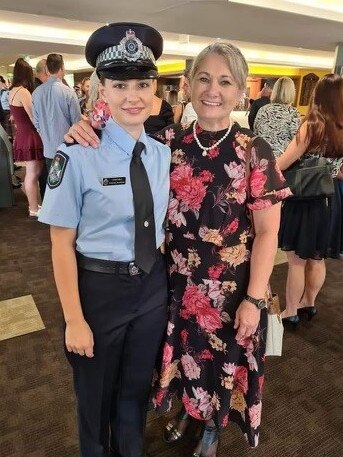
<point x="120" y="180"/>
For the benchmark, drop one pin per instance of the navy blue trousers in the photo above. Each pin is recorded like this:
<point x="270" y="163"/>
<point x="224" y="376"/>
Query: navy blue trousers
<point x="128" y="316"/>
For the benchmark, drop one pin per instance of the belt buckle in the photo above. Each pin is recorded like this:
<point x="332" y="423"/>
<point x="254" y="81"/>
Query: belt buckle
<point x="133" y="269"/>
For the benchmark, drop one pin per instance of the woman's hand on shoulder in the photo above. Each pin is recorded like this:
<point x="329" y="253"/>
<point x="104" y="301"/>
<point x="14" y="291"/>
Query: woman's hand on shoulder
<point x="83" y="133"/>
<point x="247" y="320"/>
<point x="79" y="338"/>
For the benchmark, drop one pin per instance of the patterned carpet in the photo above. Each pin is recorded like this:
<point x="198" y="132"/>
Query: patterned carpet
<point x="303" y="401"/>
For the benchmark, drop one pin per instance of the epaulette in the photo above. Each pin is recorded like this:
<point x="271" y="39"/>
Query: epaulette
<point x="69" y="144"/>
<point x="157" y="138"/>
<point x="98" y="133"/>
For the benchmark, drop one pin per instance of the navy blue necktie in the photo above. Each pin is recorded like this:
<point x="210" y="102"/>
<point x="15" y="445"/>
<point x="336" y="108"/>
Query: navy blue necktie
<point x="145" y="231"/>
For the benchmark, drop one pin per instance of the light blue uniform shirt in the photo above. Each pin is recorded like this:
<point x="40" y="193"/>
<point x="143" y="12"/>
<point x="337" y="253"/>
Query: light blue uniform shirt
<point x="4" y="100"/>
<point x="104" y="214"/>
<point x="55" y="108"/>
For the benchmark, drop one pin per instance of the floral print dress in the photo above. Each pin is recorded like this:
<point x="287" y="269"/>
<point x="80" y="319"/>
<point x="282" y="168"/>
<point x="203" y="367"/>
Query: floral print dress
<point x="209" y="246"/>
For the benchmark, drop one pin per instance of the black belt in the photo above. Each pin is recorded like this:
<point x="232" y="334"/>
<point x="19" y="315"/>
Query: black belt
<point x="108" y="266"/>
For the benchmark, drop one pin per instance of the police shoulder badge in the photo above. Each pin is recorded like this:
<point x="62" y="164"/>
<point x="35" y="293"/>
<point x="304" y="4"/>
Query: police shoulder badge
<point x="132" y="46"/>
<point x="57" y="169"/>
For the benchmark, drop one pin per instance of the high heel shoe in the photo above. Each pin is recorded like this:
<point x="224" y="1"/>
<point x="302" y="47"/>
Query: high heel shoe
<point x="208" y="445"/>
<point x="310" y="311"/>
<point x="291" y="321"/>
<point x="174" y="431"/>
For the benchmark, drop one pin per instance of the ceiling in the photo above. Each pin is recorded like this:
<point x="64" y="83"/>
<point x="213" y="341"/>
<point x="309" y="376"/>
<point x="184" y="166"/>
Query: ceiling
<point x="252" y="27"/>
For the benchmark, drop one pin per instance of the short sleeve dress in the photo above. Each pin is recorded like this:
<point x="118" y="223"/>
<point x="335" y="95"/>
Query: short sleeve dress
<point x="209" y="246"/>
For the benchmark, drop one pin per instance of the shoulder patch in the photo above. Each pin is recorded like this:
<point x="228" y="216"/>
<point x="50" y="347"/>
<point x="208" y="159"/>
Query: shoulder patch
<point x="57" y="169"/>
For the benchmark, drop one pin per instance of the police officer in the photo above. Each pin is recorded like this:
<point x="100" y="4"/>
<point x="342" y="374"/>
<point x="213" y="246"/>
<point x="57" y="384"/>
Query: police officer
<point x="106" y="210"/>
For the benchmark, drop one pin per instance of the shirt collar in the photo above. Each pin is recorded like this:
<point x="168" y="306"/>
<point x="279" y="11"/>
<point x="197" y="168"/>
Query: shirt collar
<point x="53" y="78"/>
<point x="122" y="138"/>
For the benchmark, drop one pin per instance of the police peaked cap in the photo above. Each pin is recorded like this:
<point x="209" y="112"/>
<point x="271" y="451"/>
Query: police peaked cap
<point x="124" y="50"/>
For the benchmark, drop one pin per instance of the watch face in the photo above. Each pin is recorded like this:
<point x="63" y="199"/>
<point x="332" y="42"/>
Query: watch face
<point x="261" y="304"/>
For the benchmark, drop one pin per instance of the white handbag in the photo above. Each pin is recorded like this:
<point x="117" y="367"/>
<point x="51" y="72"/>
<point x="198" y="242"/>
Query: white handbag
<point x="275" y="329"/>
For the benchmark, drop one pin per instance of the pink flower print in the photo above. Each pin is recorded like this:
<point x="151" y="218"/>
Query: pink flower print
<point x="204" y="401"/>
<point x="189" y="236"/>
<point x="169" y="135"/>
<point x="283" y="193"/>
<point x="100" y="114"/>
<point x="231" y="228"/>
<point x="180" y="262"/>
<point x="225" y="421"/>
<point x="260" y="204"/>
<point x="170" y="328"/>
<point x="213" y="153"/>
<point x="193" y="299"/>
<point x="182" y="173"/>
<point x="191" y="193"/>
<point x="241" y="379"/>
<point x="209" y="319"/>
<point x="190" y="368"/>
<point x="184" y="337"/>
<point x="188" y="138"/>
<point x="215" y="272"/>
<point x="257" y="182"/>
<point x="229" y="368"/>
<point x="214" y="289"/>
<point x="206" y="176"/>
<point x="167" y="354"/>
<point x="206" y="355"/>
<point x="174" y="215"/>
<point x="235" y="171"/>
<point x="260" y="384"/>
<point x="159" y="397"/>
<point x="191" y="407"/>
<point x="255" y="415"/>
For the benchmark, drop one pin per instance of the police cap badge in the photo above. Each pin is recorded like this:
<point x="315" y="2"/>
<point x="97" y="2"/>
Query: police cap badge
<point x="125" y="50"/>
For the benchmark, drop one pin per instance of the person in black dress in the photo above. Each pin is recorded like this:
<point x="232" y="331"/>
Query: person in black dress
<point x="305" y="224"/>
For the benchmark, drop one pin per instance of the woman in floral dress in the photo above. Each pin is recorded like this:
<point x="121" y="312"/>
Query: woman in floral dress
<point x="213" y="356"/>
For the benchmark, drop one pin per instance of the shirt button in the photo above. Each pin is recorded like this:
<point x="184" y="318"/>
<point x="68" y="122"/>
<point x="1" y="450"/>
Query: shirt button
<point x="146" y="224"/>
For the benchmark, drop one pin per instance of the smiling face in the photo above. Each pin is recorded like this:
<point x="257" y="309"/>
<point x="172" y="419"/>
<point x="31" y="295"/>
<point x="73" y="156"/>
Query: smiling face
<point x="130" y="102"/>
<point x="215" y="93"/>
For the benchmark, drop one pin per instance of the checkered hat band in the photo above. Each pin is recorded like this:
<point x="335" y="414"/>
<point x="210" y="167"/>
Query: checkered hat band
<point x="117" y="53"/>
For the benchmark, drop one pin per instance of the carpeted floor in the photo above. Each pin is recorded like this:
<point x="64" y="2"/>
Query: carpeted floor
<point x="303" y="401"/>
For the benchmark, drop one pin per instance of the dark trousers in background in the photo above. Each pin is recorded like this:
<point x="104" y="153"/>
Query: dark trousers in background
<point x="127" y="315"/>
<point x="44" y="176"/>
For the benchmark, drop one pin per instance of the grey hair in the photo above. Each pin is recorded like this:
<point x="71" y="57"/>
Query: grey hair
<point x="283" y="91"/>
<point x="234" y="58"/>
<point x="41" y="66"/>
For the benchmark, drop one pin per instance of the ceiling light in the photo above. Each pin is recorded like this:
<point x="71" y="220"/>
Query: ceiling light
<point x="323" y="9"/>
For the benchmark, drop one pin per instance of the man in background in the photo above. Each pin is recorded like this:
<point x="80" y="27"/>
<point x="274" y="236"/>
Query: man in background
<point x="264" y="99"/>
<point x="55" y="109"/>
<point x="42" y="74"/>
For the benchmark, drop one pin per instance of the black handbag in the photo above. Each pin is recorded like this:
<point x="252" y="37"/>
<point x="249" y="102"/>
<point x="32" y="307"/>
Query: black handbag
<point x="310" y="177"/>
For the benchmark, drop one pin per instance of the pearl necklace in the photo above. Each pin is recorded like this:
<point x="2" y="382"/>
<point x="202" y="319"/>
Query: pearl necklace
<point x="205" y="150"/>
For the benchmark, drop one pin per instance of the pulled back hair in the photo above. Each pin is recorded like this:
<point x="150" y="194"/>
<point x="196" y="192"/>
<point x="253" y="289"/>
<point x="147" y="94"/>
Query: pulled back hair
<point x="23" y="75"/>
<point x="325" y="117"/>
<point x="234" y="59"/>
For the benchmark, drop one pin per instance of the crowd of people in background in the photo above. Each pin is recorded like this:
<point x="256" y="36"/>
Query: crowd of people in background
<point x="37" y="109"/>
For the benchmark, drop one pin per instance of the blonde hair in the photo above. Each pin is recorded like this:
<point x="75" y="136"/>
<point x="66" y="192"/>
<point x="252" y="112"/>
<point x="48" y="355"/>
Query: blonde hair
<point x="283" y="91"/>
<point x="93" y="95"/>
<point x="234" y="58"/>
